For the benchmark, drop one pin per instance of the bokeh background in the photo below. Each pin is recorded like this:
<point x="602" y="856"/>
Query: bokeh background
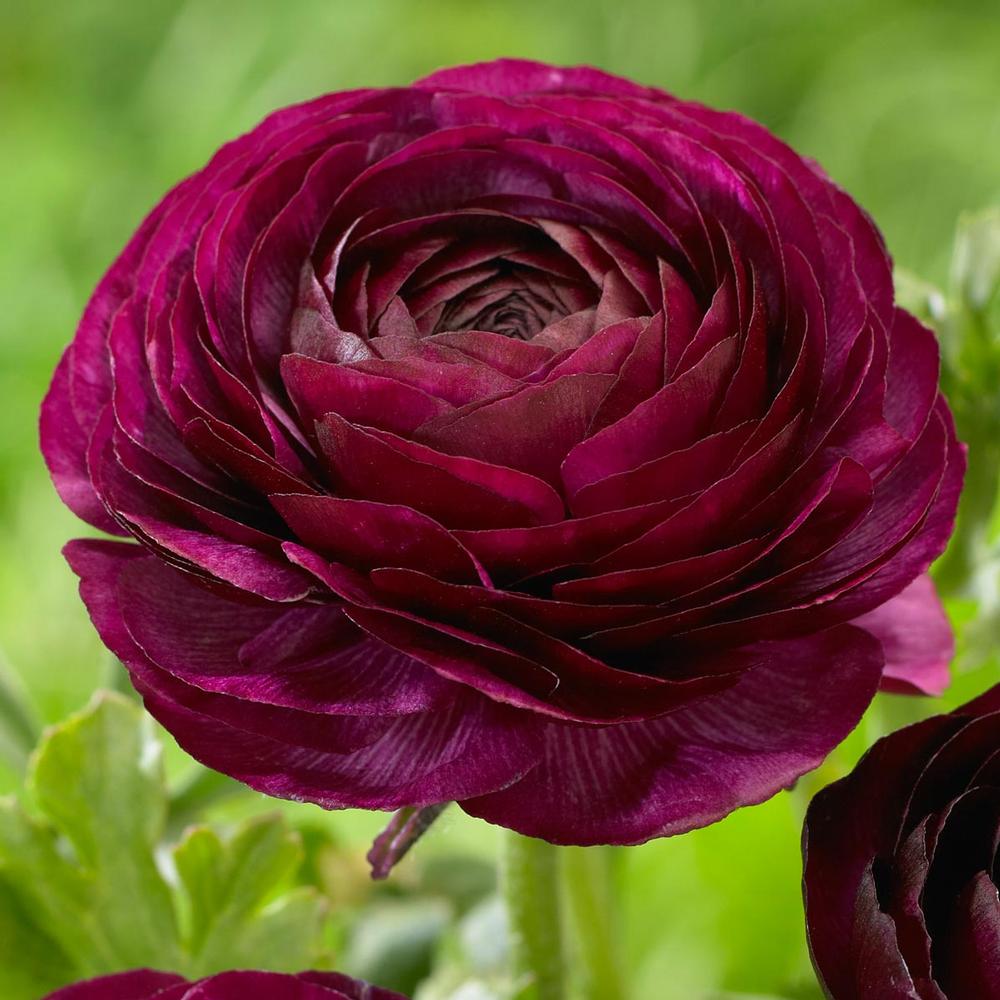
<point x="106" y="103"/>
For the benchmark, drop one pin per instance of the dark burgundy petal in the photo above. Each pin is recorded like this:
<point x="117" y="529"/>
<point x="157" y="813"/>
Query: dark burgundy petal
<point x="319" y="388"/>
<point x="626" y="784"/>
<point x="352" y="989"/>
<point x="421" y="759"/>
<point x="306" y="658"/>
<point x="531" y="431"/>
<point x="912" y="375"/>
<point x="518" y="77"/>
<point x="676" y="474"/>
<point x="970" y="958"/>
<point x="368" y="535"/>
<point x="524" y="667"/>
<point x="848" y="826"/>
<point x="515" y="554"/>
<point x="65" y="444"/>
<point x="81" y="387"/>
<point x="458" y="491"/>
<point x="903" y="850"/>
<point x="142" y="984"/>
<point x="667" y="421"/>
<point x="330" y="756"/>
<point x="878" y="969"/>
<point x="242" y="985"/>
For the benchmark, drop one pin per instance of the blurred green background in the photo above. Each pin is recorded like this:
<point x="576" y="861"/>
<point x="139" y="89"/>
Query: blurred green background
<point x="104" y="104"/>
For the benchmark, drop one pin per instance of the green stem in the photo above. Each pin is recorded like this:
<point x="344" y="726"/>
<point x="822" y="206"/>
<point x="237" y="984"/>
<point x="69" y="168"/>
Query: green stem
<point x="591" y="902"/>
<point x="530" y="881"/>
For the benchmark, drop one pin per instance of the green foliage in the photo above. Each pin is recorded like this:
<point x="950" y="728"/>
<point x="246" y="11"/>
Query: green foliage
<point x="966" y="316"/>
<point x="235" y="914"/>
<point x="87" y="885"/>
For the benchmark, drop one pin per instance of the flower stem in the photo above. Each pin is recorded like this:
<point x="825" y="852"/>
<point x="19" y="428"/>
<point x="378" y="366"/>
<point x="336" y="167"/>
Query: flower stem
<point x="530" y="883"/>
<point x="590" y="897"/>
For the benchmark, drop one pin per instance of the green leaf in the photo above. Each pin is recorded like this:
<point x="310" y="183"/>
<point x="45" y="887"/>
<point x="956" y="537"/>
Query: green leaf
<point x="80" y="885"/>
<point x="98" y="778"/>
<point x="50" y="886"/>
<point x="31" y="962"/>
<point x="228" y="888"/>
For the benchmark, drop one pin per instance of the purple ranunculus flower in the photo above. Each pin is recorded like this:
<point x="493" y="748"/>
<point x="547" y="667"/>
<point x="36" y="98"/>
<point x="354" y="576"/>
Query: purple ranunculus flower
<point x="525" y="437"/>
<point x="901" y="865"/>
<point x="144" y="984"/>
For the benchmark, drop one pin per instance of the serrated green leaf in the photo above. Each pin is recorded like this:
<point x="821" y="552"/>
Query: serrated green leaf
<point x="103" y="763"/>
<point x="283" y="938"/>
<point x="98" y="779"/>
<point x="56" y="892"/>
<point x="228" y="886"/>
<point x="81" y="876"/>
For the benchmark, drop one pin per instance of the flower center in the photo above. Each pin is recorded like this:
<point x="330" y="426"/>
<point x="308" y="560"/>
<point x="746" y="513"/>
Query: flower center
<point x="508" y="303"/>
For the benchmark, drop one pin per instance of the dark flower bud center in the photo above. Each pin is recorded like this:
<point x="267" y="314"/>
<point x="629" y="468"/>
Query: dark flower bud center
<point x="505" y="303"/>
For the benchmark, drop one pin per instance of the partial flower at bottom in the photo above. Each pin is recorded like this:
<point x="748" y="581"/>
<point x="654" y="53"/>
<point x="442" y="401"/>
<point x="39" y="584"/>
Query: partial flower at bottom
<point x="144" y="984"/>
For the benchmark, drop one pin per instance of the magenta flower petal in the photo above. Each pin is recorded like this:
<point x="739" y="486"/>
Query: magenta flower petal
<point x="244" y="985"/>
<point x="916" y="637"/>
<point x="651" y="779"/>
<point x="526" y="437"/>
<point x="143" y="984"/>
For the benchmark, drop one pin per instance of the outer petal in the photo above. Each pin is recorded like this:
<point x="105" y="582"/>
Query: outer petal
<point x="518" y="77"/>
<point x="917" y="639"/>
<point x="353" y="989"/>
<point x="463" y="745"/>
<point x="64" y="445"/>
<point x="81" y="387"/>
<point x="245" y="985"/>
<point x="142" y="984"/>
<point x="971" y="951"/>
<point x="626" y="784"/>
<point x="879" y="970"/>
